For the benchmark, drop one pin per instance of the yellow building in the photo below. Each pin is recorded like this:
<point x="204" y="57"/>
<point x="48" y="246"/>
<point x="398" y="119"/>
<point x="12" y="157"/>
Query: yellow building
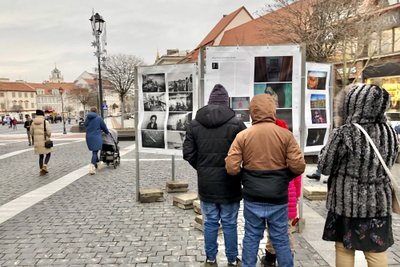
<point x="17" y="99"/>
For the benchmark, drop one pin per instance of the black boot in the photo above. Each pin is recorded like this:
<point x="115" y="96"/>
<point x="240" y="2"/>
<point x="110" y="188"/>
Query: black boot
<point x="269" y="260"/>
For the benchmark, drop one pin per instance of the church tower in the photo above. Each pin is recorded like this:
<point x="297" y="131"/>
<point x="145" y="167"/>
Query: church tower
<point x="56" y="76"/>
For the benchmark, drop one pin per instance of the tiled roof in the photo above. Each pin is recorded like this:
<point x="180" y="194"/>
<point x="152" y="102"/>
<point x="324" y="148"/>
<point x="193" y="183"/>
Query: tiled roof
<point x="214" y="33"/>
<point x="259" y="31"/>
<point x="16" y="86"/>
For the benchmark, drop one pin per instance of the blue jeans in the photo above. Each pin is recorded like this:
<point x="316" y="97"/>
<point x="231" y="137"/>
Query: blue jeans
<point x="256" y="215"/>
<point x="95" y="157"/>
<point x="227" y="214"/>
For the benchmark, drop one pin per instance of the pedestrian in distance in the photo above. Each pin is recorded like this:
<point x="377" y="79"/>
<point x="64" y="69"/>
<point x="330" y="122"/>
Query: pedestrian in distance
<point x="205" y="147"/>
<point x="41" y="131"/>
<point x="27" y="126"/>
<point x="294" y="191"/>
<point x="14" y="124"/>
<point x="359" y="190"/>
<point x="268" y="157"/>
<point x="94" y="127"/>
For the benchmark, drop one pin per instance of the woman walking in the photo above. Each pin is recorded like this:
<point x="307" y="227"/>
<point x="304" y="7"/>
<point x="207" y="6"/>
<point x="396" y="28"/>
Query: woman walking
<point x="40" y="132"/>
<point x="359" y="197"/>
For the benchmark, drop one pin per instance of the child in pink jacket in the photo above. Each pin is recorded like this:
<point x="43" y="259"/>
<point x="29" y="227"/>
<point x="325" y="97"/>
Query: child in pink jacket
<point x="294" y="190"/>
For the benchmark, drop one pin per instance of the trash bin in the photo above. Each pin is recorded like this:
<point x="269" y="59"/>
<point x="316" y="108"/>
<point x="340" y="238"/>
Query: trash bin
<point x="82" y="127"/>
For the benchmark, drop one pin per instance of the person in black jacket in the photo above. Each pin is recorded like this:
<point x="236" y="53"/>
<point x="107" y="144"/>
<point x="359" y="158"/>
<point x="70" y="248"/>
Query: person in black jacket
<point x="206" y="145"/>
<point x="27" y="126"/>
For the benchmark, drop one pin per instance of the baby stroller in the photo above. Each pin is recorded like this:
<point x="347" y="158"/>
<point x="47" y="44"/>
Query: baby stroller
<point x="110" y="151"/>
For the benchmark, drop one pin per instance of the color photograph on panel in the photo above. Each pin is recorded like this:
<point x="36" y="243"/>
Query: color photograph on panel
<point x="316" y="80"/>
<point x="317" y="101"/>
<point x="315" y="137"/>
<point x="318" y="116"/>
<point x="281" y="92"/>
<point x="153" y="83"/>
<point x="273" y="69"/>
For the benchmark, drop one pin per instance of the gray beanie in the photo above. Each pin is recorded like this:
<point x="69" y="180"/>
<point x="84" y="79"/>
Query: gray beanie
<point x="219" y="96"/>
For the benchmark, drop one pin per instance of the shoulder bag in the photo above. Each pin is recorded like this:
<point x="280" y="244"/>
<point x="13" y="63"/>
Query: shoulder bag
<point x="47" y="143"/>
<point x="395" y="187"/>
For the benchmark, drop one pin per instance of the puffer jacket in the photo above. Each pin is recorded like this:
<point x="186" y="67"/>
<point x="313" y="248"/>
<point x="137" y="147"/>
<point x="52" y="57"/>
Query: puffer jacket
<point x="269" y="154"/>
<point x="358" y="186"/>
<point x="206" y="145"/>
<point x="37" y="133"/>
<point x="94" y="127"/>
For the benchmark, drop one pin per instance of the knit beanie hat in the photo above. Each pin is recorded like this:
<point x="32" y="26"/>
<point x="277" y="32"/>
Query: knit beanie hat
<point x="39" y="112"/>
<point x="219" y="96"/>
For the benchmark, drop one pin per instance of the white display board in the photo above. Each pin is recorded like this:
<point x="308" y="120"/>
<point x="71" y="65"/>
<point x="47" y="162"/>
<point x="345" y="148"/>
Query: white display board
<point x="246" y="71"/>
<point x="317" y="106"/>
<point x="167" y="102"/>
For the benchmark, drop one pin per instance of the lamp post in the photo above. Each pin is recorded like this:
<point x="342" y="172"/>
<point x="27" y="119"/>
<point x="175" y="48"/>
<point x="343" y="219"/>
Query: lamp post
<point x="61" y="91"/>
<point x="97" y="26"/>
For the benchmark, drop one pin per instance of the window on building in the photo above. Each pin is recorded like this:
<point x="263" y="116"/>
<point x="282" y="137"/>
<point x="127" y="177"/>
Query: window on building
<point x="26" y="94"/>
<point x="396" y="38"/>
<point x="373" y="46"/>
<point x="19" y="94"/>
<point x="40" y="91"/>
<point x="13" y="94"/>
<point x="32" y="95"/>
<point x="387" y="41"/>
<point x="32" y="105"/>
<point x="3" y="106"/>
<point x="26" y="104"/>
<point x="1" y="94"/>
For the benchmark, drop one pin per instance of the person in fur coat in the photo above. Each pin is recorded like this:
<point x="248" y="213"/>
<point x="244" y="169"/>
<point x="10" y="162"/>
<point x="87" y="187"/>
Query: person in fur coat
<point x="359" y="199"/>
<point x="39" y="137"/>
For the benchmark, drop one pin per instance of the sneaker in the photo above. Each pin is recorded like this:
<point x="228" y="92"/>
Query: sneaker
<point x="237" y="263"/>
<point x="92" y="169"/>
<point x="314" y="176"/>
<point x="100" y="165"/>
<point x="44" y="168"/>
<point x="209" y="263"/>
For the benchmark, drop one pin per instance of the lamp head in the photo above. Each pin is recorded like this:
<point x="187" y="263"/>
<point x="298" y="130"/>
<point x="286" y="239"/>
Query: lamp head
<point x="97" y="22"/>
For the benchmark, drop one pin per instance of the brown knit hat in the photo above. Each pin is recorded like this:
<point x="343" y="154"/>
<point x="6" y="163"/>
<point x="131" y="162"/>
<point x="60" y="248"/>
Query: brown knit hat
<point x="219" y="96"/>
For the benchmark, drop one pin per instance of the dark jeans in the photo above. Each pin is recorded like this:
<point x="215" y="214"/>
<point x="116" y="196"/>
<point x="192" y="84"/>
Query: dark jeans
<point x="95" y="157"/>
<point x="46" y="160"/>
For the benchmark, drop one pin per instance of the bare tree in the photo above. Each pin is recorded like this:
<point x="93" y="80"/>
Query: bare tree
<point x="336" y="31"/>
<point x="85" y="96"/>
<point x="119" y="70"/>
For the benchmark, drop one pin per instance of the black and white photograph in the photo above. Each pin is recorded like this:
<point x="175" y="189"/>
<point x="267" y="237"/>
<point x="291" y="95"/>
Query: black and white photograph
<point x="180" y="101"/>
<point x="180" y="82"/>
<point x="153" y="83"/>
<point x="154" y="102"/>
<point x="179" y="121"/>
<point x="175" y="139"/>
<point x="153" y="120"/>
<point x="318" y="101"/>
<point x="153" y="139"/>
<point x="286" y="115"/>
<point x="315" y="137"/>
<point x="242" y="115"/>
<point x="240" y="102"/>
<point x="273" y="69"/>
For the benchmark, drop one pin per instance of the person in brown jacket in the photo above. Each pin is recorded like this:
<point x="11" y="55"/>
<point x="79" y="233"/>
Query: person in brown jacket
<point x="269" y="158"/>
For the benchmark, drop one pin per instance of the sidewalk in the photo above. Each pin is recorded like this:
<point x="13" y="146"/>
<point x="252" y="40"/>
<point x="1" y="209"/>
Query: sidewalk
<point x="96" y="221"/>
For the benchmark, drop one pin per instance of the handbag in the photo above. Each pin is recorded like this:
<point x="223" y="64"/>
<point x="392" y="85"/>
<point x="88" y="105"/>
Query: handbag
<point x="47" y="143"/>
<point x="394" y="185"/>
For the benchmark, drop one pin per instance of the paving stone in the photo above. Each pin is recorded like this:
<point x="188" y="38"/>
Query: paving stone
<point x="177" y="186"/>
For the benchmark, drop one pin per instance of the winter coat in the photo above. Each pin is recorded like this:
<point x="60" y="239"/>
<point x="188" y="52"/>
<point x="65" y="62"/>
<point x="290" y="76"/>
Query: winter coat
<point x="358" y="186"/>
<point x="269" y="154"/>
<point x="94" y="126"/>
<point x="206" y="145"/>
<point x="294" y="189"/>
<point x="37" y="133"/>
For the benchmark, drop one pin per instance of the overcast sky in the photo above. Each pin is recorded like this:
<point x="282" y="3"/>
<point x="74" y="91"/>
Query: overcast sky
<point x="36" y="35"/>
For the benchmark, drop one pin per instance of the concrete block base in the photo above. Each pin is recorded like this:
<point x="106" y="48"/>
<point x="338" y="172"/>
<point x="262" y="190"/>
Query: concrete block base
<point x="151" y="195"/>
<point x="196" y="206"/>
<point x="185" y="201"/>
<point x="315" y="192"/>
<point x="176" y="186"/>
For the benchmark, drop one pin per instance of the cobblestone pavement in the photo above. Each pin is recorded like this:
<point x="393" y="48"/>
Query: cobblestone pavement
<point x="96" y="221"/>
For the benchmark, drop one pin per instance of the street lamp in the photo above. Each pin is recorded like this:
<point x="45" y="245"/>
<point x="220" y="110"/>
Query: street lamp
<point x="61" y="91"/>
<point x="97" y="22"/>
